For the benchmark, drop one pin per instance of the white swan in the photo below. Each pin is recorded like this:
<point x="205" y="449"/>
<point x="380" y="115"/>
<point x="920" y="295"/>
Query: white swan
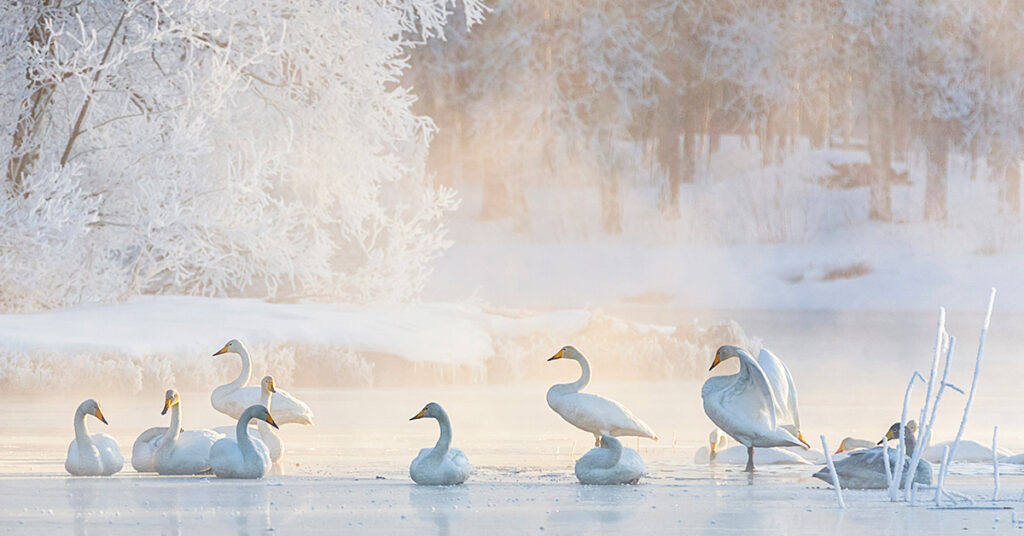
<point x="865" y="469"/>
<point x="180" y="453"/>
<point x="611" y="463"/>
<point x="716" y="453"/>
<point x="849" y="444"/>
<point x="966" y="451"/>
<point x="233" y="398"/>
<point x="787" y="414"/>
<point x="95" y="455"/>
<point x="592" y="413"/>
<point x="743" y="405"/>
<point x="441" y="465"/>
<point x="263" y="431"/>
<point x="247" y="457"/>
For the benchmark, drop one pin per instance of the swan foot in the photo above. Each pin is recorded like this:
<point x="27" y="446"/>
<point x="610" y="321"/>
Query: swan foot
<point x="597" y="440"/>
<point x="750" y="460"/>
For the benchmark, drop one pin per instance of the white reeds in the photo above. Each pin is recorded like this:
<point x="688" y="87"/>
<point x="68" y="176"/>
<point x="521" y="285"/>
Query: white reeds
<point x="995" y="463"/>
<point x="832" y="469"/>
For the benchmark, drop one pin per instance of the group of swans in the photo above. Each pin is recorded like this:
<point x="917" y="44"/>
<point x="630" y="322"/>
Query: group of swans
<point x="234" y="452"/>
<point x="609" y="462"/>
<point x="864" y="468"/>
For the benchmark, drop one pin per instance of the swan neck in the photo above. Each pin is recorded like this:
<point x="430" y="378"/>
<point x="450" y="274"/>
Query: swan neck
<point x="584" y="380"/>
<point x="81" y="431"/>
<point x="242" y="432"/>
<point x="174" y="428"/>
<point x="444" y="441"/>
<point x="245" y="373"/>
<point x="615" y="448"/>
<point x="265" y="396"/>
<point x="910" y="441"/>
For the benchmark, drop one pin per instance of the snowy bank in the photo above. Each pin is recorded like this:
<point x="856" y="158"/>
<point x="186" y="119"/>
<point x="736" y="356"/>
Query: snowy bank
<point x="156" y="340"/>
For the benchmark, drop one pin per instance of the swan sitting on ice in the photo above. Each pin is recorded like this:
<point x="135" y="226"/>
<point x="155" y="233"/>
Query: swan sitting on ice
<point x="263" y="431"/>
<point x="744" y="405"/>
<point x="95" y="455"/>
<point x="441" y="465"/>
<point x="182" y="453"/>
<point x="716" y="453"/>
<point x="966" y="451"/>
<point x="592" y="413"/>
<point x="234" y="397"/>
<point x="611" y="463"/>
<point x="865" y="469"/>
<point x="247" y="457"/>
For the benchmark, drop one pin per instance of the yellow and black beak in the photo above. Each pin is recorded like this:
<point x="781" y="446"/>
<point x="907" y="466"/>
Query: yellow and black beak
<point x="800" y="436"/>
<point x="99" y="415"/>
<point x="271" y="388"/>
<point x="223" y="350"/>
<point x="888" y="435"/>
<point x="840" y="449"/>
<point x="419" y="415"/>
<point x="715" y="362"/>
<point x="167" y="405"/>
<point x="556" y="356"/>
<point x="270" y="421"/>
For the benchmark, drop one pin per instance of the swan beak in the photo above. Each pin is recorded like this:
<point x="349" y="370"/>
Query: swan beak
<point x="888" y="435"/>
<point x="271" y="388"/>
<point x="840" y="449"/>
<point x="167" y="406"/>
<point x="556" y="356"/>
<point x="270" y="421"/>
<point x="99" y="415"/>
<point x="419" y="415"/>
<point x="223" y="350"/>
<point x="715" y="363"/>
<point x="800" y="436"/>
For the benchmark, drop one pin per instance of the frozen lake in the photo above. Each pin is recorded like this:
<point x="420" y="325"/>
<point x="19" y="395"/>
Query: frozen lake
<point x="350" y="470"/>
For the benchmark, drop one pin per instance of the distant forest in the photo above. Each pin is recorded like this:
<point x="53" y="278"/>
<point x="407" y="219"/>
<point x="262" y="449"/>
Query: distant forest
<point x="545" y="84"/>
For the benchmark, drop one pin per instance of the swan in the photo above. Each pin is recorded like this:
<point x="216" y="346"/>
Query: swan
<point x="611" y="463"/>
<point x="966" y="451"/>
<point x="92" y="455"/>
<point x="263" y="432"/>
<point x="182" y="453"/>
<point x="865" y="469"/>
<point x="716" y="453"/>
<point x="743" y="405"/>
<point x="851" y="443"/>
<point x="247" y="457"/>
<point x="441" y="465"/>
<point x="786" y="412"/>
<point x="234" y="397"/>
<point x="592" y="413"/>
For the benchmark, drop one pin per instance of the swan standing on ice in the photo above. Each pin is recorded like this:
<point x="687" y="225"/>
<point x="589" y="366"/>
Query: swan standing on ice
<point x="865" y="469"/>
<point x="233" y="398"/>
<point x="95" y="455"/>
<point x="592" y="413"/>
<point x="264" y="433"/>
<point x="743" y="405"/>
<point x="182" y="453"/>
<point x="248" y="456"/>
<point x="441" y="465"/>
<point x="611" y="463"/>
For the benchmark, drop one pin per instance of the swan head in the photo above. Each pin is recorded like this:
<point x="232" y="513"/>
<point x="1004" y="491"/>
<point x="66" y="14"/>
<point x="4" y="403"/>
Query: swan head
<point x="261" y="412"/>
<point x="268" y="384"/>
<point x="567" y="352"/>
<point x="92" y="407"/>
<point x="846" y="445"/>
<point x="432" y="410"/>
<point x="894" y="431"/>
<point x="725" y="352"/>
<point x="171" y="399"/>
<point x="232" y="347"/>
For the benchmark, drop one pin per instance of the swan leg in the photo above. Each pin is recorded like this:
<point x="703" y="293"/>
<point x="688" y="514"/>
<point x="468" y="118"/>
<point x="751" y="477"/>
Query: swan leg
<point x="597" y="440"/>
<point x="750" y="460"/>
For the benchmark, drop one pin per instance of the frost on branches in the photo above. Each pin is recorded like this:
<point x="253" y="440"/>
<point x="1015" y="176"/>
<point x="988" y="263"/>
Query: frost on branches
<point x="244" y="148"/>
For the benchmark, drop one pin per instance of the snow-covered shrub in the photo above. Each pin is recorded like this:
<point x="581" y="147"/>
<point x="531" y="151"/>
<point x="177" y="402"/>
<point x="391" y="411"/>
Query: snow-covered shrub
<point x="255" y="148"/>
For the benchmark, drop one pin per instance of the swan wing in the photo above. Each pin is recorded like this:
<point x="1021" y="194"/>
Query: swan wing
<point x="784" y="390"/>
<point x="110" y="453"/>
<point x="597" y="414"/>
<point x="144" y="449"/>
<point x="283" y="406"/>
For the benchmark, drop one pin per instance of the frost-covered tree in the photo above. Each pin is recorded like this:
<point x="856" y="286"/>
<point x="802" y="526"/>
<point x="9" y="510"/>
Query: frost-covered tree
<point x="247" y="148"/>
